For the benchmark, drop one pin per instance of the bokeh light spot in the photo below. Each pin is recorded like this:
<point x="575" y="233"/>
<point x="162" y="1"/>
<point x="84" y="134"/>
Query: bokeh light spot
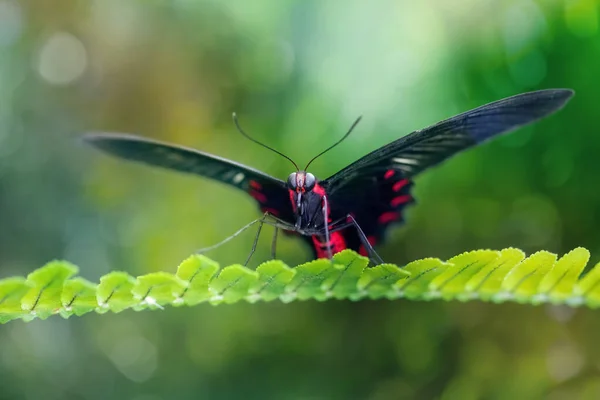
<point x="563" y="361"/>
<point x="529" y="70"/>
<point x="135" y="357"/>
<point x="559" y="162"/>
<point x="62" y="59"/>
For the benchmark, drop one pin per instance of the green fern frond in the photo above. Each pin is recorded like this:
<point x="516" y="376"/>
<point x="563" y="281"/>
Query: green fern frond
<point x="487" y="275"/>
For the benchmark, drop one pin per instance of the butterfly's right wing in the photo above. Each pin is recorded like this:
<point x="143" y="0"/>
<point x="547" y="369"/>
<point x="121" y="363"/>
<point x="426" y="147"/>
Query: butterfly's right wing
<point x="427" y="147"/>
<point x="271" y="193"/>
<point x="376" y="188"/>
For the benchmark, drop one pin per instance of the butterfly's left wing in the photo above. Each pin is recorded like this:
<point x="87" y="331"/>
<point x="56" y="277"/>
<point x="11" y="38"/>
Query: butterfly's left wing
<point x="271" y="193"/>
<point x="376" y="187"/>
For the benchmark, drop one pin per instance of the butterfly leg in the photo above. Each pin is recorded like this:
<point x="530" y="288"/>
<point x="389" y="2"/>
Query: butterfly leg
<point x="255" y="243"/>
<point x="274" y="243"/>
<point x="365" y="242"/>
<point x="327" y="235"/>
<point x="262" y="220"/>
<point x="276" y="225"/>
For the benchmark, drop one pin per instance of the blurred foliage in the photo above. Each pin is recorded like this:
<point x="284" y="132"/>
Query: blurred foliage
<point x="297" y="73"/>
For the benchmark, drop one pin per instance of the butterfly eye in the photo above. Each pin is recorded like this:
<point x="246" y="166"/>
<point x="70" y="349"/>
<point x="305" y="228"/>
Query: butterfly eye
<point x="291" y="181"/>
<point x="309" y="181"/>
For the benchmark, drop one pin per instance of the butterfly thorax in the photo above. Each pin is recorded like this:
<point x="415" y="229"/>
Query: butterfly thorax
<point x="309" y="210"/>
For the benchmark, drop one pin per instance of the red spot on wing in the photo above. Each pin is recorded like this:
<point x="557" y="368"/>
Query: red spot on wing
<point x="399" y="185"/>
<point x="337" y="243"/>
<point x="396" y="201"/>
<point x="255" y="185"/>
<point x="258" y="196"/>
<point x="387" y="217"/>
<point x="389" y="173"/>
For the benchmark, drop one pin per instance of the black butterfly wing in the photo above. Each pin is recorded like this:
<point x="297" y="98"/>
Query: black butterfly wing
<point x="374" y="201"/>
<point x="271" y="193"/>
<point x="366" y="187"/>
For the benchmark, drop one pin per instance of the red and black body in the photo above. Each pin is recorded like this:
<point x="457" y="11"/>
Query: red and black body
<point x="373" y="203"/>
<point x="354" y="207"/>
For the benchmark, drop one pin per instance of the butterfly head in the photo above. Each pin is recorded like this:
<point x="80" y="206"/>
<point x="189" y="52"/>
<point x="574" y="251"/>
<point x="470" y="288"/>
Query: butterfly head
<point x="299" y="183"/>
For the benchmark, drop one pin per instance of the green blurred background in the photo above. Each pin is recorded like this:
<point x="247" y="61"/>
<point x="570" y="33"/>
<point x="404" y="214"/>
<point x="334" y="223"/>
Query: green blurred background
<point x="297" y="73"/>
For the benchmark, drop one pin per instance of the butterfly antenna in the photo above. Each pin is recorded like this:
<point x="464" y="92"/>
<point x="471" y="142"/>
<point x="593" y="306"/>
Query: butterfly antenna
<point x="239" y="128"/>
<point x="336" y="143"/>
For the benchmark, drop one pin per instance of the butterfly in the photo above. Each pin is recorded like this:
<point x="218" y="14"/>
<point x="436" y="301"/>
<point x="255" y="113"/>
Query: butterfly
<point x="353" y="208"/>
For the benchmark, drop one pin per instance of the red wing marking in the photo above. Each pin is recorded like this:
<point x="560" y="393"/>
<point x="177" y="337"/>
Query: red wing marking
<point x="399" y="185"/>
<point x="258" y="196"/>
<point x="389" y="173"/>
<point x="388" y="217"/>
<point x="396" y="201"/>
<point x="336" y="243"/>
<point x="255" y="185"/>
